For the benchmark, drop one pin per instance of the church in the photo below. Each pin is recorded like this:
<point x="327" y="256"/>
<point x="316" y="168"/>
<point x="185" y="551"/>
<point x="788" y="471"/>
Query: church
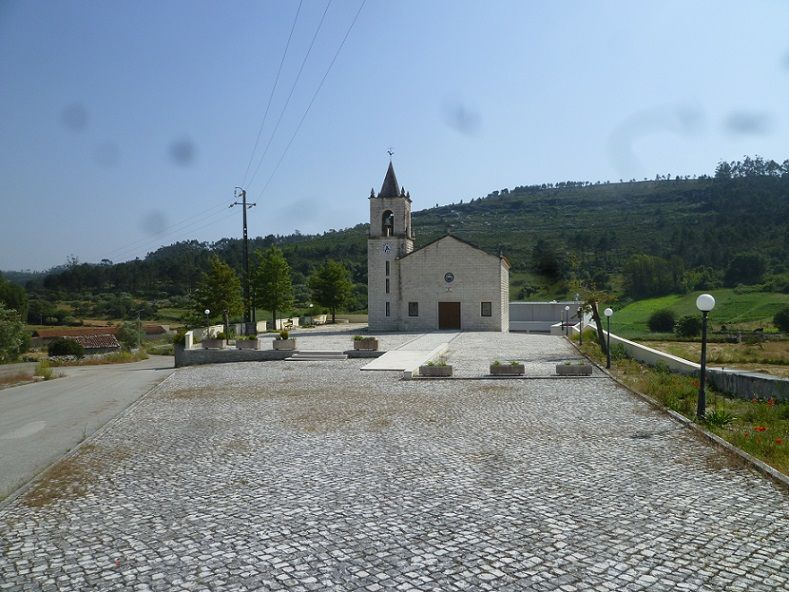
<point x="447" y="284"/>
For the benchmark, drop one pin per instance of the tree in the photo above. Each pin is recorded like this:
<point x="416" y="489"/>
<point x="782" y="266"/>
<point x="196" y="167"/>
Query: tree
<point x="647" y="275"/>
<point x="65" y="347"/>
<point x="781" y="319"/>
<point x="12" y="335"/>
<point x="13" y="296"/>
<point x="661" y="321"/>
<point x="688" y="326"/>
<point x="746" y="268"/>
<point x="129" y="335"/>
<point x="331" y="286"/>
<point x="220" y="291"/>
<point x="272" y="282"/>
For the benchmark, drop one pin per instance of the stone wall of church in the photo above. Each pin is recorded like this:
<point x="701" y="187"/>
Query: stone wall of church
<point x="476" y="278"/>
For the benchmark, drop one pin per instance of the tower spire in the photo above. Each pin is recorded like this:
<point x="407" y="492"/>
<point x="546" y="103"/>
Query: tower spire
<point x="390" y="188"/>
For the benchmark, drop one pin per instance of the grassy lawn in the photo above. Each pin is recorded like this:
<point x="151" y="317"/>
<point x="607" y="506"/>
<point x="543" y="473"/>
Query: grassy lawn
<point x="745" y="311"/>
<point x="759" y="427"/>
<point x="770" y="357"/>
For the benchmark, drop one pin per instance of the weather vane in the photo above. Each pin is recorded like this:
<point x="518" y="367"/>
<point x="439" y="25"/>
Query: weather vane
<point x="390" y="152"/>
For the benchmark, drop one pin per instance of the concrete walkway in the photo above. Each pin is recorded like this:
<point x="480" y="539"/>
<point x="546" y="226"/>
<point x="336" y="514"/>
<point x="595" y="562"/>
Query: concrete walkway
<point x="412" y="354"/>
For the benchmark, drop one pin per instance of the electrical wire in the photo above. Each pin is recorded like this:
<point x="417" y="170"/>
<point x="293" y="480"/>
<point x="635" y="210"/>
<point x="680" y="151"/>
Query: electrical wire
<point x="290" y="95"/>
<point x="314" y="96"/>
<point x="271" y="95"/>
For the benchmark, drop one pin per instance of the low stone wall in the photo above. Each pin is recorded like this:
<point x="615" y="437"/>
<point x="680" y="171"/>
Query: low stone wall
<point x="739" y="383"/>
<point x="198" y="356"/>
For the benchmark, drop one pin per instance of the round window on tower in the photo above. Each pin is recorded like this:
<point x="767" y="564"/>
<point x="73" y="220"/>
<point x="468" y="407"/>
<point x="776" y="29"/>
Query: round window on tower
<point x="449" y="277"/>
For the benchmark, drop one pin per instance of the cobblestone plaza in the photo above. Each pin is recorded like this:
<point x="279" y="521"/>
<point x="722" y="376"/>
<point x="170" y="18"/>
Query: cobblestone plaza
<point x="317" y="476"/>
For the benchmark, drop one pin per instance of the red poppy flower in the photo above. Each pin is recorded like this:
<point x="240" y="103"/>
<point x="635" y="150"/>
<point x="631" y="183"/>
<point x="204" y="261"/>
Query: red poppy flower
<point x="779" y="441"/>
<point x="771" y="402"/>
<point x="760" y="428"/>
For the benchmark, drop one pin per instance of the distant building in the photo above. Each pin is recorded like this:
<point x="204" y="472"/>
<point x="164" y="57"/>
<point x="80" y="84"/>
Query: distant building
<point x="97" y="344"/>
<point x="447" y="284"/>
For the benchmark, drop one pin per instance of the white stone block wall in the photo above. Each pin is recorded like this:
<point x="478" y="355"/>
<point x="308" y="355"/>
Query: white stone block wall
<point x="478" y="277"/>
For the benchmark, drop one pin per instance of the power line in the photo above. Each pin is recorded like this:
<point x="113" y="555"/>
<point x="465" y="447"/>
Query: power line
<point x="168" y="229"/>
<point x="190" y="229"/>
<point x="292" y="88"/>
<point x="271" y="96"/>
<point x="314" y="96"/>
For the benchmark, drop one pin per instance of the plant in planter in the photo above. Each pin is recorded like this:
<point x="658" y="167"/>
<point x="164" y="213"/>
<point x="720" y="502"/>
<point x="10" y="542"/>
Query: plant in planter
<point x="436" y="368"/>
<point x="360" y="342"/>
<point x="218" y="341"/>
<point x="574" y="369"/>
<point x="247" y="342"/>
<point x="513" y="368"/>
<point x="284" y="342"/>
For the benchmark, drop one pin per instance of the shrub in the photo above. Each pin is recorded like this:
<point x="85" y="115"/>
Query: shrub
<point x="718" y="418"/>
<point x="284" y="334"/>
<point x="618" y="352"/>
<point x="43" y="370"/>
<point x="688" y="326"/>
<point x="65" y="347"/>
<point x="661" y="321"/>
<point x="180" y="338"/>
<point x="221" y="335"/>
<point x="781" y="319"/>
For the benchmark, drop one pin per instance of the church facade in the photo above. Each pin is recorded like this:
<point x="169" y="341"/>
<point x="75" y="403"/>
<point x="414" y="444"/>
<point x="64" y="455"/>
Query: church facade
<point x="447" y="284"/>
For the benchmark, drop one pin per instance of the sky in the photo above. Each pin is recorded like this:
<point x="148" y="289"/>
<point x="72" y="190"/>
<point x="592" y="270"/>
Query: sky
<point x="127" y="125"/>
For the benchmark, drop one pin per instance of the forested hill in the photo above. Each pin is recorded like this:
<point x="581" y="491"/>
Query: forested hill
<point x="694" y="228"/>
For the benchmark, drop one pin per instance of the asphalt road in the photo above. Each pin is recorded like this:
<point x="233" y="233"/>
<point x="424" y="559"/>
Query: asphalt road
<point x="40" y="422"/>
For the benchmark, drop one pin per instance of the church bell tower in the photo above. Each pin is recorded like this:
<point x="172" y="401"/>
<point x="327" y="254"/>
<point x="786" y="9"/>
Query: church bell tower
<point x="389" y="239"/>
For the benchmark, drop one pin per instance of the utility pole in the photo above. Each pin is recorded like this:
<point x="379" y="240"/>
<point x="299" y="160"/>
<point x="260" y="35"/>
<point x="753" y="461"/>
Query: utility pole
<point x="245" y="206"/>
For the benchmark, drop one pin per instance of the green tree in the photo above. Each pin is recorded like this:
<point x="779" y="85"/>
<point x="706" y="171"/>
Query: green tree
<point x="272" y="282"/>
<point x="647" y="275"/>
<point x="661" y="321"/>
<point x="220" y="291"/>
<point x="688" y="326"/>
<point x="781" y="319"/>
<point x="331" y="286"/>
<point x="13" y="296"/>
<point x="12" y="335"/>
<point x="129" y="335"/>
<point x="65" y="347"/>
<point x="746" y="268"/>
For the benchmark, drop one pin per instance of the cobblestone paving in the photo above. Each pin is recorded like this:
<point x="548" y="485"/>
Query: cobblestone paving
<point x="315" y="476"/>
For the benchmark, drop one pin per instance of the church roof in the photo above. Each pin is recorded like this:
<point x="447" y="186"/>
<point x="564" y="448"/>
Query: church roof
<point x="460" y="240"/>
<point x="390" y="188"/>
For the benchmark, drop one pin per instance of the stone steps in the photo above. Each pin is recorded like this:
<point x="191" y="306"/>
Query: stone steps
<point x="316" y="356"/>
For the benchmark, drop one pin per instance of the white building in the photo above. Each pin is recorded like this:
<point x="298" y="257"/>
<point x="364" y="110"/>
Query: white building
<point x="447" y="284"/>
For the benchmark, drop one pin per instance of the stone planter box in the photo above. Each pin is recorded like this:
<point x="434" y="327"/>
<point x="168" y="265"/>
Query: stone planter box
<point x="507" y="370"/>
<point x="285" y="344"/>
<point x="214" y="343"/>
<point x="366" y="344"/>
<point x="574" y="369"/>
<point x="247" y="343"/>
<point x="435" y="371"/>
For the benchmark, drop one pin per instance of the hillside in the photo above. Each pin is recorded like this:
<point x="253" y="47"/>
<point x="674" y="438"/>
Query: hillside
<point x="549" y="232"/>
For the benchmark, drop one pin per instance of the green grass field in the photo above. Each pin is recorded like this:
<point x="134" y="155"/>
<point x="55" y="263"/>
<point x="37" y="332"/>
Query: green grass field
<point x="747" y="310"/>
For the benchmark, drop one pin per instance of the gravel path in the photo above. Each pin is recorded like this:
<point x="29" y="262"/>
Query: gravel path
<point x="316" y="476"/>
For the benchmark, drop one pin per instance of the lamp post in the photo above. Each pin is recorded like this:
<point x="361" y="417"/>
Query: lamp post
<point x="566" y="320"/>
<point x="608" y="312"/>
<point x="705" y="303"/>
<point x="580" y="326"/>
